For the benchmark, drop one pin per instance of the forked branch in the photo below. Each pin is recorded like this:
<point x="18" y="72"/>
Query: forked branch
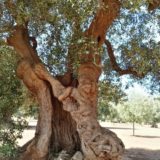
<point x="115" y="65"/>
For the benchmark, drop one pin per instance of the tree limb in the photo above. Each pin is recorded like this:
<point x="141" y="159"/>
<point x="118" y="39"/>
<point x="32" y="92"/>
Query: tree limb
<point x="30" y="68"/>
<point x="155" y="4"/>
<point x="20" y="40"/>
<point x="108" y="11"/>
<point x="115" y="65"/>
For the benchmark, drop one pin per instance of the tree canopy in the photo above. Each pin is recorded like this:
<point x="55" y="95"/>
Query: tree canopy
<point x="57" y="24"/>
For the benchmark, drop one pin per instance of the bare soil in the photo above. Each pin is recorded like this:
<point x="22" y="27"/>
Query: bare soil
<point x="145" y="145"/>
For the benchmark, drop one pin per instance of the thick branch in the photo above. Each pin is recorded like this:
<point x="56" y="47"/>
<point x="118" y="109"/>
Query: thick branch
<point x="43" y="74"/>
<point x="20" y="40"/>
<point x="115" y="65"/>
<point x="106" y="14"/>
<point x="155" y="4"/>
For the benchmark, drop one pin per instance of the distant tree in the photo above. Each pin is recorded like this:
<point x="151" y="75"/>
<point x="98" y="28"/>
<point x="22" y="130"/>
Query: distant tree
<point x="138" y="109"/>
<point x="109" y="96"/>
<point x="155" y="114"/>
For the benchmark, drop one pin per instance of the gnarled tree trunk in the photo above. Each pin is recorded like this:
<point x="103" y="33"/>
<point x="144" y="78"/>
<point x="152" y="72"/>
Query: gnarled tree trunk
<point x="56" y="130"/>
<point x="68" y="115"/>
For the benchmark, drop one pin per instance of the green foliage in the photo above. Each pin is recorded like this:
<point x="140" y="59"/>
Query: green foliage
<point x="109" y="96"/>
<point x="9" y="133"/>
<point x="135" y="39"/>
<point x="139" y="108"/>
<point x="59" y="25"/>
<point x="155" y="114"/>
<point x="11" y="125"/>
<point x="8" y="150"/>
<point x="107" y="112"/>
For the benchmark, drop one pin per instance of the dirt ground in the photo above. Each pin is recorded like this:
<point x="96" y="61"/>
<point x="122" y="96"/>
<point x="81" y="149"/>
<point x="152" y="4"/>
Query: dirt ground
<point x="145" y="145"/>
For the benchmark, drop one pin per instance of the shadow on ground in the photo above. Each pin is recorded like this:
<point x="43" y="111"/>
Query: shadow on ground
<point x="141" y="154"/>
<point x="31" y="127"/>
<point x="123" y="128"/>
<point x="147" y="136"/>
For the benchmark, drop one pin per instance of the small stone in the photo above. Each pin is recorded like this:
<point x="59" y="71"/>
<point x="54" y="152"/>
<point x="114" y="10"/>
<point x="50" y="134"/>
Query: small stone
<point x="77" y="156"/>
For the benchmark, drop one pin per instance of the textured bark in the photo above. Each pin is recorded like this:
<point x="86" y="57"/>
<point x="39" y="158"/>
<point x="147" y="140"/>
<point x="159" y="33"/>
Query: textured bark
<point x="97" y="143"/>
<point x="106" y="14"/>
<point x="154" y="4"/>
<point x="64" y="133"/>
<point x="38" y="148"/>
<point x="53" y="121"/>
<point x="58" y="129"/>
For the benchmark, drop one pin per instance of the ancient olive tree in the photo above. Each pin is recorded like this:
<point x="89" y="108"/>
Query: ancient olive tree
<point x="75" y="31"/>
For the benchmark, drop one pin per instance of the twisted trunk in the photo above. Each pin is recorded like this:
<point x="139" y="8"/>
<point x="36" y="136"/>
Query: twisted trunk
<point x="68" y="115"/>
<point x="56" y="129"/>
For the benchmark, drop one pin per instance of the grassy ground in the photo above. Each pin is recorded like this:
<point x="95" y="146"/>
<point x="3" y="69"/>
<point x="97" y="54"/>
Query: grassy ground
<point x="145" y="145"/>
